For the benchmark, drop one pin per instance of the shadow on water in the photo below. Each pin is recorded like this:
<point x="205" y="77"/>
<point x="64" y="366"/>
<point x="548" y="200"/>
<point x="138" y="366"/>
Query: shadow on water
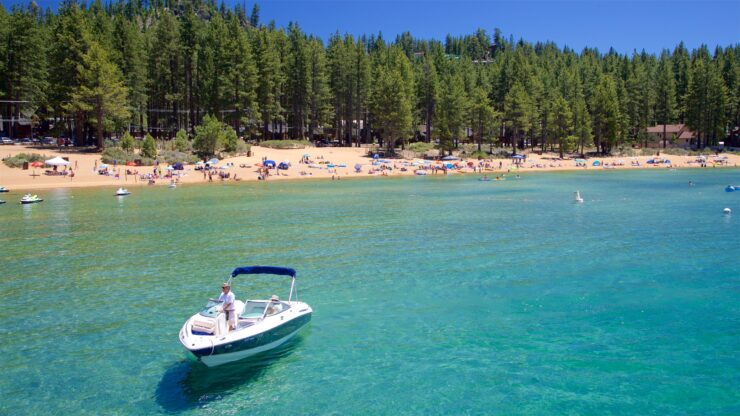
<point x="190" y="384"/>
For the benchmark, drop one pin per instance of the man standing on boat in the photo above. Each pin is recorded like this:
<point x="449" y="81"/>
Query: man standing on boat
<point x="227" y="297"/>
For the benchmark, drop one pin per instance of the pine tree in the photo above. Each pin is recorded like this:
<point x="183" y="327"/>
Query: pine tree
<point x="392" y="99"/>
<point x="299" y="80"/>
<point x="518" y="109"/>
<point x="101" y="92"/>
<point x="320" y="94"/>
<point x="665" y="111"/>
<point x="428" y="93"/>
<point x="25" y="77"/>
<point x="481" y="115"/>
<point x="605" y="114"/>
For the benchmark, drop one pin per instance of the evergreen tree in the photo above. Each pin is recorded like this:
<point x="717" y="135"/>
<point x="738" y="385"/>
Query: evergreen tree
<point x="451" y="112"/>
<point x="392" y="99"/>
<point x="518" y="109"/>
<point x="149" y="147"/>
<point x="24" y="78"/>
<point x="605" y="114"/>
<point x="320" y="94"/>
<point x="101" y="92"/>
<point x="482" y="116"/>
<point x="665" y="111"/>
<point x="182" y="144"/>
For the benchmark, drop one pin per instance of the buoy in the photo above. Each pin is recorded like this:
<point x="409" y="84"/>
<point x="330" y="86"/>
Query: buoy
<point x="578" y="197"/>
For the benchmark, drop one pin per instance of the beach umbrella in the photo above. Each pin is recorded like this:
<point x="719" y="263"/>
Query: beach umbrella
<point x="283" y="165"/>
<point x="199" y="163"/>
<point x="375" y="156"/>
<point x="212" y="161"/>
<point x="306" y="155"/>
<point x="596" y="163"/>
<point x="103" y="166"/>
<point x="580" y="160"/>
<point x="169" y="168"/>
<point x="450" y="158"/>
<point x="130" y="163"/>
<point x="36" y="164"/>
<point x="518" y="157"/>
<point x="57" y="161"/>
<point x="270" y="163"/>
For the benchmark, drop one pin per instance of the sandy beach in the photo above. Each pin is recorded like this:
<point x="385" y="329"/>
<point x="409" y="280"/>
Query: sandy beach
<point x="247" y="168"/>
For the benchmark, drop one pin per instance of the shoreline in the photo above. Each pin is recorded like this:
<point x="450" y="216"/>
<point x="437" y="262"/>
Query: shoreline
<point x="18" y="180"/>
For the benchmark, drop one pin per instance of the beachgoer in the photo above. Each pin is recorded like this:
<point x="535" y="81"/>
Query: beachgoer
<point x="274" y="306"/>
<point x="227" y="297"/>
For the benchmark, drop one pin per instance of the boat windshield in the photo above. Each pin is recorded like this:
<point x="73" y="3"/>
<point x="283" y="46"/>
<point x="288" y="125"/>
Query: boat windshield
<point x="254" y="309"/>
<point x="211" y="308"/>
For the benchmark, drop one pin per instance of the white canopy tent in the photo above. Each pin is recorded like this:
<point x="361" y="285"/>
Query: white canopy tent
<point x="57" y="161"/>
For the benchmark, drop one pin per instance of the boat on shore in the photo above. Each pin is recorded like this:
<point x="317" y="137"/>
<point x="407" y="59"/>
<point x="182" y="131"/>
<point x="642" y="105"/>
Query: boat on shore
<point x="262" y="324"/>
<point x="122" y="192"/>
<point x="30" y="199"/>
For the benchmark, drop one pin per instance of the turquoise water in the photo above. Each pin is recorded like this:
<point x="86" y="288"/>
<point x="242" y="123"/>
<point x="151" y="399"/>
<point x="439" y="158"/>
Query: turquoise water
<point x="436" y="295"/>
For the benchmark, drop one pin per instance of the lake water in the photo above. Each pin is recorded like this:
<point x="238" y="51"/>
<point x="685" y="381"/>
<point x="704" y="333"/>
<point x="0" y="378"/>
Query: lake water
<point x="434" y="295"/>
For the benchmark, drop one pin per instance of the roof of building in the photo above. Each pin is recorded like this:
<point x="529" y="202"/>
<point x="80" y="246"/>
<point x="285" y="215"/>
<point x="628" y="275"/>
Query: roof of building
<point x="687" y="134"/>
<point x="669" y="128"/>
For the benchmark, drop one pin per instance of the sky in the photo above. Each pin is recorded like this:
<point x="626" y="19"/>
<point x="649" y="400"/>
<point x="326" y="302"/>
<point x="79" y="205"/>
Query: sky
<point x="624" y="25"/>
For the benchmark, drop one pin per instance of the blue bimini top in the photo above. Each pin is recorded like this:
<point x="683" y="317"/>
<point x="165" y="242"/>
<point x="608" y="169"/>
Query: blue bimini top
<point x="280" y="271"/>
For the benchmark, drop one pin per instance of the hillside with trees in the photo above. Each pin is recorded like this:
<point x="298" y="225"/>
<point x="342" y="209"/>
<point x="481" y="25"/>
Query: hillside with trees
<point x="161" y="67"/>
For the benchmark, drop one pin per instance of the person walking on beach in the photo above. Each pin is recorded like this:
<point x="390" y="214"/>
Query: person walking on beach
<point x="227" y="297"/>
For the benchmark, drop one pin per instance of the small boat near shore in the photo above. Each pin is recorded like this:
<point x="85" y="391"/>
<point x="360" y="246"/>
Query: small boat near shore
<point x="732" y="188"/>
<point x="262" y="324"/>
<point x="4" y="189"/>
<point x="30" y="199"/>
<point x="122" y="192"/>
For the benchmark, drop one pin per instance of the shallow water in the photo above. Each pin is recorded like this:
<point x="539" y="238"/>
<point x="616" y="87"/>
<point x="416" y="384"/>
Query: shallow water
<point x="435" y="295"/>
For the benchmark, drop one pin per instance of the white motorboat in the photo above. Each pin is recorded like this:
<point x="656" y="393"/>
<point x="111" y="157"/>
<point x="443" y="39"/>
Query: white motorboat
<point x="30" y="199"/>
<point x="122" y="192"/>
<point x="261" y="325"/>
<point x="4" y="189"/>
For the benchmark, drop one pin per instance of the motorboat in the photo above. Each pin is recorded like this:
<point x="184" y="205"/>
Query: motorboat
<point x="4" y="189"/>
<point x="30" y="199"/>
<point x="732" y="188"/>
<point x="578" y="198"/>
<point x="1" y="202"/>
<point x="122" y="192"/>
<point x="262" y="324"/>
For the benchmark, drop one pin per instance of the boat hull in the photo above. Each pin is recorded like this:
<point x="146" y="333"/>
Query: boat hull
<point x="32" y="202"/>
<point x="251" y="345"/>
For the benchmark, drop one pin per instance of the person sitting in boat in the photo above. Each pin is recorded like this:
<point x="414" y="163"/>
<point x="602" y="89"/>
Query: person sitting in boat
<point x="227" y="297"/>
<point x="274" y="306"/>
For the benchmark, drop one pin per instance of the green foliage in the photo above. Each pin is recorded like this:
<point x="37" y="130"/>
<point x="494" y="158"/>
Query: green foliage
<point x="118" y="155"/>
<point x="18" y="160"/>
<point x="208" y="137"/>
<point x="182" y="144"/>
<point x="420" y="147"/>
<point x="127" y="142"/>
<point x="479" y="155"/>
<point x="149" y="147"/>
<point x="162" y="66"/>
<point x="230" y="140"/>
<point x="101" y="93"/>
<point x="285" y="144"/>
<point x="173" y="156"/>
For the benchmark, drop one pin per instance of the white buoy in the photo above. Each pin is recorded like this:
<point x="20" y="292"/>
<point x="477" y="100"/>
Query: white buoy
<point x="728" y="211"/>
<point x="579" y="200"/>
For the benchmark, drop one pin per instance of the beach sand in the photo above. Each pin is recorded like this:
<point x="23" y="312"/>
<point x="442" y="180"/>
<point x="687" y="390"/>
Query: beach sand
<point x="83" y="165"/>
